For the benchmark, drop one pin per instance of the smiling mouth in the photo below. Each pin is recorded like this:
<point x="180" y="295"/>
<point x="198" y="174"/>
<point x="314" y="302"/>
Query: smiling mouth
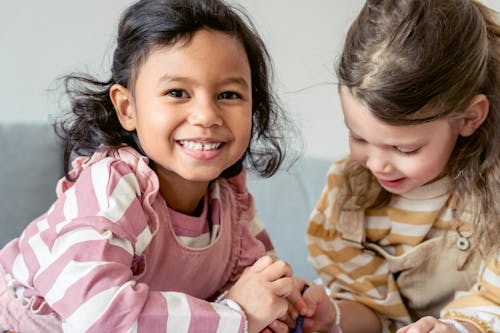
<point x="200" y="146"/>
<point x="391" y="182"/>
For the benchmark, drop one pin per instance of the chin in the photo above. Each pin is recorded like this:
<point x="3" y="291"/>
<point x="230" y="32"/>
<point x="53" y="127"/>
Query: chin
<point x="400" y="190"/>
<point x="201" y="177"/>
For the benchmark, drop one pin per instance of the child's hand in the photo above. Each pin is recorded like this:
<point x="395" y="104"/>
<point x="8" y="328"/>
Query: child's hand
<point x="296" y="307"/>
<point x="320" y="313"/>
<point x="427" y="325"/>
<point x="262" y="292"/>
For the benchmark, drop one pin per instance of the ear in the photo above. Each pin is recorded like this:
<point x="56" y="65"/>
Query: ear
<point x="124" y="106"/>
<point x="474" y="115"/>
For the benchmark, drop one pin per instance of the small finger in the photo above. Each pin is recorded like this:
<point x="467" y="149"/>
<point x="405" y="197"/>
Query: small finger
<point x="425" y="324"/>
<point x="292" y="312"/>
<point x="295" y="297"/>
<point x="262" y="263"/>
<point x="300" y="284"/>
<point x="308" y="325"/>
<point x="313" y="297"/>
<point x="278" y="326"/>
<point x="290" y="319"/>
<point x="284" y="288"/>
<point x="277" y="269"/>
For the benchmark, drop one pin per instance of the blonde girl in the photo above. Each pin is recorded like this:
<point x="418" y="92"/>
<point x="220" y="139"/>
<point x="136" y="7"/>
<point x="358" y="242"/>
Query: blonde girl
<point x="405" y="234"/>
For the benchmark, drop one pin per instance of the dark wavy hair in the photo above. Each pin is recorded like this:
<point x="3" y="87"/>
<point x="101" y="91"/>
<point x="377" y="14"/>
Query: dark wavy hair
<point x="92" y="123"/>
<point x="415" y="61"/>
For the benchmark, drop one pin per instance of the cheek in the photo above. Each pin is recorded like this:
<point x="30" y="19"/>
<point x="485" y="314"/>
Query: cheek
<point x="424" y="169"/>
<point x="241" y="124"/>
<point x="357" y="153"/>
<point x="156" y="130"/>
<point x="244" y="133"/>
<point x="155" y="116"/>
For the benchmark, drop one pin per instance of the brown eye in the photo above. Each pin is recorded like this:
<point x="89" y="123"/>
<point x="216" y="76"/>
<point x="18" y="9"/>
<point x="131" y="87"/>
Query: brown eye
<point x="228" y="95"/>
<point x="177" y="93"/>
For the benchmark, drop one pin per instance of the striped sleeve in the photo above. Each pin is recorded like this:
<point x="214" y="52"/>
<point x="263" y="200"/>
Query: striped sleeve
<point x="345" y="268"/>
<point x="480" y="306"/>
<point x="78" y="257"/>
<point x="259" y="232"/>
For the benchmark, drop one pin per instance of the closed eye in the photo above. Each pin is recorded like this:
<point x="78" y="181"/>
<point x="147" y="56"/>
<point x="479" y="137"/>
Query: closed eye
<point x="356" y="138"/>
<point x="405" y="151"/>
<point x="229" y="95"/>
<point x="177" y="93"/>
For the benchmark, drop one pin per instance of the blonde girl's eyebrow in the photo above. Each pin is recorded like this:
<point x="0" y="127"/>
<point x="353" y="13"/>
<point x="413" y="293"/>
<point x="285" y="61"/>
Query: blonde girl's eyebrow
<point x="407" y="145"/>
<point x="349" y="129"/>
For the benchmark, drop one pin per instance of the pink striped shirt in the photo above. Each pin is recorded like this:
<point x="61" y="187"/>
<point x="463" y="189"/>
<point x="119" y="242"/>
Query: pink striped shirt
<point x="107" y="256"/>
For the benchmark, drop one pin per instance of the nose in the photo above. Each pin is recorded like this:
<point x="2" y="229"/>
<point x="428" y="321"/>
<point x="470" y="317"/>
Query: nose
<point x="378" y="163"/>
<point x="205" y="113"/>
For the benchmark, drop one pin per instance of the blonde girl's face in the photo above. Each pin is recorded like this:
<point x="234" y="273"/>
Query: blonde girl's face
<point x="192" y="107"/>
<point x="401" y="158"/>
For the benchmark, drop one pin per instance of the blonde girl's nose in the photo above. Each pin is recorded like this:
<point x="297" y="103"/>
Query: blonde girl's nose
<point x="378" y="164"/>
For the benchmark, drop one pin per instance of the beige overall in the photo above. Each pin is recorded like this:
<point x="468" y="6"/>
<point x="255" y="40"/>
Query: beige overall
<point x="428" y="275"/>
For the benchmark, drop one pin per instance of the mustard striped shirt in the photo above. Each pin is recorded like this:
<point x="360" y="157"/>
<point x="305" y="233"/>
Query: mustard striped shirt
<point x="356" y="271"/>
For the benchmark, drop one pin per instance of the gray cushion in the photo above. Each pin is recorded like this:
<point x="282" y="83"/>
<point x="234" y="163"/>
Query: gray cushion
<point x="31" y="165"/>
<point x="284" y="204"/>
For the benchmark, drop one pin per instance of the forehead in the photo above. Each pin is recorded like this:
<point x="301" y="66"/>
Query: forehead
<point x="361" y="122"/>
<point x="207" y="53"/>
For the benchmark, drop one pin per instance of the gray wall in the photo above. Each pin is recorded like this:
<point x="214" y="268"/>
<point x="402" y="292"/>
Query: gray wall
<point x="41" y="40"/>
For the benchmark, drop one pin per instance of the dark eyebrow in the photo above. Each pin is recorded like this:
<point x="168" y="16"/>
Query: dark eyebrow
<point x="237" y="80"/>
<point x="230" y="80"/>
<point x="173" y="78"/>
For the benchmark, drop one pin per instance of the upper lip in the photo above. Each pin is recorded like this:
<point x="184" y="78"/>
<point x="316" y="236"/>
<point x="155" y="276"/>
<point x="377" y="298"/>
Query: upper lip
<point x="389" y="180"/>
<point x="197" y="144"/>
<point x="202" y="140"/>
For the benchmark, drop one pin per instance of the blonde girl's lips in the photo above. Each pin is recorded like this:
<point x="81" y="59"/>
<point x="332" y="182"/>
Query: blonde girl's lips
<point x="391" y="183"/>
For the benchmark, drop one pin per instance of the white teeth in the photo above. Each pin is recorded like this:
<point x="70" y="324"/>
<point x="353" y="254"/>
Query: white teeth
<point x="200" y="146"/>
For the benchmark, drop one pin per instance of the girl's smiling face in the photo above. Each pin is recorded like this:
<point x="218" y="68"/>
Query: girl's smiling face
<point x="401" y="158"/>
<point x="191" y="107"/>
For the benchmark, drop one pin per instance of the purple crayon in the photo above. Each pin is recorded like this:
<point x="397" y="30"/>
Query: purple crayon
<point x="300" y="320"/>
